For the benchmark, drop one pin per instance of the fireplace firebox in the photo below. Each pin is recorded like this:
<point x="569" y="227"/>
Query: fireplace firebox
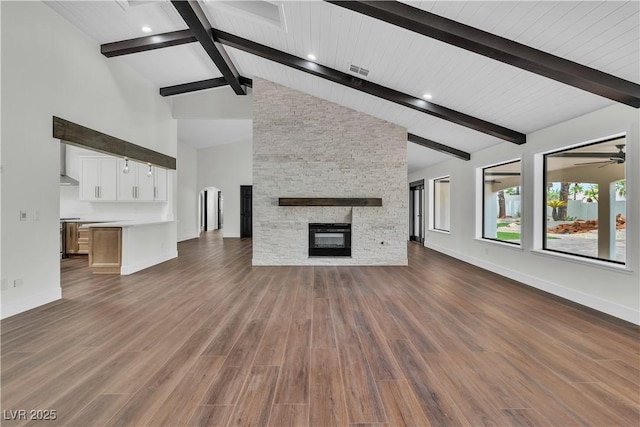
<point x="329" y="239"/>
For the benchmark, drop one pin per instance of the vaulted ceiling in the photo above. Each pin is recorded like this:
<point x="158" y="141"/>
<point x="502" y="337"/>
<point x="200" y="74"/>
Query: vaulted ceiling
<point x="604" y="36"/>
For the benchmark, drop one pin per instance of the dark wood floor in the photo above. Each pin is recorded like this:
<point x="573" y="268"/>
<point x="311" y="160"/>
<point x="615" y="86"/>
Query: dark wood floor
<point x="207" y="339"/>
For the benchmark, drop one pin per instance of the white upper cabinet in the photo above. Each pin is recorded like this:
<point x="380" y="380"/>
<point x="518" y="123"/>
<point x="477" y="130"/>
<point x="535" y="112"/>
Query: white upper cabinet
<point x="137" y="184"/>
<point x="160" y="182"/>
<point x="98" y="179"/>
<point x="104" y="179"/>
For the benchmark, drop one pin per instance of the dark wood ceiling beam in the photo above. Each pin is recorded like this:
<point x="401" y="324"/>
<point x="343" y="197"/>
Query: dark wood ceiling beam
<point x="197" y="21"/>
<point x="81" y="136"/>
<point x="439" y="147"/>
<point x="499" y="48"/>
<point x="143" y="44"/>
<point x="200" y="85"/>
<point x="369" y="87"/>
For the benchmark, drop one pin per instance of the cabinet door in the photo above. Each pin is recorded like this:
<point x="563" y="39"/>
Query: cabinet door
<point x="82" y="240"/>
<point x="71" y="237"/>
<point x="89" y="179"/>
<point x="108" y="179"/>
<point x="127" y="181"/>
<point x="144" y="191"/>
<point x="160" y="190"/>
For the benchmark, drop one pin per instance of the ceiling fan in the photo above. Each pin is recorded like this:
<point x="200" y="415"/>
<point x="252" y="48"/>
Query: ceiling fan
<point x="613" y="158"/>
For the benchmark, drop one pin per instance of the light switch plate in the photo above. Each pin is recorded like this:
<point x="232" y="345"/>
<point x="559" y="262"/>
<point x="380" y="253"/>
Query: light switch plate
<point x="23" y="215"/>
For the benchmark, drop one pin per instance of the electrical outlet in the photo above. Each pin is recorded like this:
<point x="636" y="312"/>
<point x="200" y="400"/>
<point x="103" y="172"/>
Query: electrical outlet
<point x="4" y="284"/>
<point x="23" y="215"/>
<point x="17" y="283"/>
<point x="36" y="215"/>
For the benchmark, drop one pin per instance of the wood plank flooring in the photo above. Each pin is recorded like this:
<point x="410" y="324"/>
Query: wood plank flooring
<point x="208" y="340"/>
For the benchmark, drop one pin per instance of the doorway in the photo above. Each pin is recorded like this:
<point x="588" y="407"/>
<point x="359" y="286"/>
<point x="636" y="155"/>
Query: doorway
<point x="416" y="206"/>
<point x="210" y="209"/>
<point x="246" y="216"/>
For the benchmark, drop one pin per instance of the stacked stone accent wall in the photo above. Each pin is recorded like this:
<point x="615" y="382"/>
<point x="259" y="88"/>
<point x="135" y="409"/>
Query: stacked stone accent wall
<point x="304" y="146"/>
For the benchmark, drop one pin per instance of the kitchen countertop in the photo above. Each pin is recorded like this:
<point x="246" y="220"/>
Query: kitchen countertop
<point x="84" y="220"/>
<point x="125" y="224"/>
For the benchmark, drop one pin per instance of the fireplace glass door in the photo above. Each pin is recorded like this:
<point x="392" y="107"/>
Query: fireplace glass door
<point x="329" y="239"/>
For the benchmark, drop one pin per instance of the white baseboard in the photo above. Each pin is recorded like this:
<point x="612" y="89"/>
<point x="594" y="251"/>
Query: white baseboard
<point x="125" y="270"/>
<point x="188" y="237"/>
<point x="599" y="304"/>
<point x="11" y="307"/>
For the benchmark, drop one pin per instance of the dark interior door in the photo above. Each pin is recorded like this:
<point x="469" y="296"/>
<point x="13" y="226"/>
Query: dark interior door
<point x="246" y="220"/>
<point x="219" y="209"/>
<point x="416" y="219"/>
<point x="205" y="213"/>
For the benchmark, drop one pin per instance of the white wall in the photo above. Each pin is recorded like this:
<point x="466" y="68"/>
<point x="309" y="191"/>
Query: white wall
<point x="218" y="103"/>
<point x="227" y="167"/>
<point x="597" y="285"/>
<point x="50" y="68"/>
<point x="187" y="201"/>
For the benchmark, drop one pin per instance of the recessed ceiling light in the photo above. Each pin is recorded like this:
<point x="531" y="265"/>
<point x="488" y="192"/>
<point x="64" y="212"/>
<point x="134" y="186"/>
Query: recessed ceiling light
<point x="146" y="29"/>
<point x="311" y="56"/>
<point x="427" y="96"/>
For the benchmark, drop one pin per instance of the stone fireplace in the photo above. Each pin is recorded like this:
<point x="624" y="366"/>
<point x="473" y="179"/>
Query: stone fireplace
<point x="306" y="147"/>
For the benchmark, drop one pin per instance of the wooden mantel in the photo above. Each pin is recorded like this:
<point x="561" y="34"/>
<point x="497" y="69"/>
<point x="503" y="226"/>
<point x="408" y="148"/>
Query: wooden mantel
<point x="330" y="201"/>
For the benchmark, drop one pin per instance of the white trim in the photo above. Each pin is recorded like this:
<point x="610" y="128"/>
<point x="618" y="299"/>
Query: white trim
<point x="613" y="309"/>
<point x="188" y="237"/>
<point x="29" y="302"/>
<point x="517" y="246"/>
<point x="149" y="262"/>
<point x="435" y="230"/>
<point x="593" y="262"/>
<point x="614" y="135"/>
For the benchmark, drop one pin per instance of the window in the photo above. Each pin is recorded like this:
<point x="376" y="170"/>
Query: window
<point x="585" y="201"/>
<point x="441" y="203"/>
<point x="501" y="203"/>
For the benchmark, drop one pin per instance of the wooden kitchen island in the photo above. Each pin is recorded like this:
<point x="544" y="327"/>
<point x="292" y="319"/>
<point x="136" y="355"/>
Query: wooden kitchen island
<point x="125" y="247"/>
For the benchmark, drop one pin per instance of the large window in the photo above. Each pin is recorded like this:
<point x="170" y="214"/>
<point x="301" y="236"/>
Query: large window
<point x="585" y="201"/>
<point x="441" y="204"/>
<point x="501" y="203"/>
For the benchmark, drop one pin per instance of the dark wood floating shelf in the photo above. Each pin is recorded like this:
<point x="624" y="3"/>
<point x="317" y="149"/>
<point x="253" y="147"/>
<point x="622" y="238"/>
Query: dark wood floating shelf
<point x="329" y="201"/>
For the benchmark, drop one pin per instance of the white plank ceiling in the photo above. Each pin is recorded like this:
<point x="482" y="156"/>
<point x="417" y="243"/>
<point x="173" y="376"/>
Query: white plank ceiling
<point x="603" y="35"/>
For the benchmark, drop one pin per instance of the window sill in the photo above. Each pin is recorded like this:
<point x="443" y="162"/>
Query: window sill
<point x="501" y="244"/>
<point x="584" y="261"/>
<point x="433" y="230"/>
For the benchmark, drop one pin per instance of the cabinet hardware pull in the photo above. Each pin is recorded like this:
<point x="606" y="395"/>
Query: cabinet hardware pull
<point x="133" y="192"/>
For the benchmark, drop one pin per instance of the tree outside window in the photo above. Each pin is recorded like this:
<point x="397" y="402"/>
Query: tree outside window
<point x="501" y="203"/>
<point x="585" y="199"/>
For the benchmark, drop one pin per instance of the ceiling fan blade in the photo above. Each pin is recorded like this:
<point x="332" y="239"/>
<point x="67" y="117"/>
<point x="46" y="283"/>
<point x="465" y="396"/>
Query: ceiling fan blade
<point x="502" y="174"/>
<point x="584" y="155"/>
<point x="592" y="163"/>
<point x="607" y="164"/>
